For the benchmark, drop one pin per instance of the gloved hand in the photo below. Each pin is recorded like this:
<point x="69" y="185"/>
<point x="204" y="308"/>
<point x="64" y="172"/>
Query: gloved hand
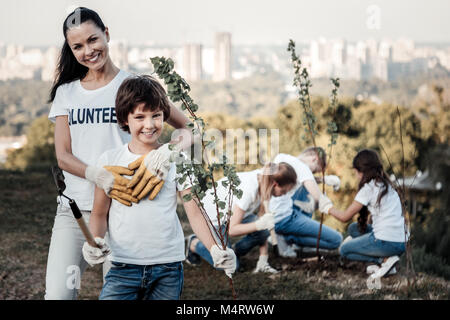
<point x="333" y="181"/>
<point x="306" y="206"/>
<point x="94" y="255"/>
<point x="325" y="204"/>
<point x="109" y="178"/>
<point x="153" y="170"/>
<point x="266" y="221"/>
<point x="224" y="259"/>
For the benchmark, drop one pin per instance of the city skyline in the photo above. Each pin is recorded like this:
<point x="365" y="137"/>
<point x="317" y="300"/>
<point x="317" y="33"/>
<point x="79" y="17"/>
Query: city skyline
<point x="251" y="22"/>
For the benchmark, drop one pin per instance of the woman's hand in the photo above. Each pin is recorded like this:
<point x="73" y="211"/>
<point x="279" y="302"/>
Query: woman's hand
<point x="109" y="178"/>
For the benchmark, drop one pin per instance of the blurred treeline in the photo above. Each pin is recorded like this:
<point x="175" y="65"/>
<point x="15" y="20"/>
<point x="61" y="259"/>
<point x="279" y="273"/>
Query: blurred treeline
<point x="361" y="124"/>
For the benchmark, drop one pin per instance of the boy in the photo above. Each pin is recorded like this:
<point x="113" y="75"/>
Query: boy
<point x="146" y="239"/>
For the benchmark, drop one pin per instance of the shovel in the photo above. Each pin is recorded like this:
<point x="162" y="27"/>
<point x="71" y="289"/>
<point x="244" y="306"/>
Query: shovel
<point x="58" y="177"/>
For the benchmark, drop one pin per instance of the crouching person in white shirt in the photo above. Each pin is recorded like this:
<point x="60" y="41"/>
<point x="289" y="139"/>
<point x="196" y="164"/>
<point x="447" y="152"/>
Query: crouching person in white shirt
<point x="145" y="240"/>
<point x="383" y="241"/>
<point x="275" y="182"/>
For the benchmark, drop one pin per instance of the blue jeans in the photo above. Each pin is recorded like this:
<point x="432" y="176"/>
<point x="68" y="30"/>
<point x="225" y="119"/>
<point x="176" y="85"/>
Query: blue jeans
<point x="302" y="195"/>
<point x="365" y="247"/>
<point x="300" y="229"/>
<point x="242" y="247"/>
<point x="138" y="282"/>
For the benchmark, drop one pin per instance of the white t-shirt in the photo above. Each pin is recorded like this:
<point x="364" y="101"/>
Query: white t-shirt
<point x="249" y="201"/>
<point x="149" y="232"/>
<point x="282" y="206"/>
<point x="93" y="129"/>
<point x="388" y="222"/>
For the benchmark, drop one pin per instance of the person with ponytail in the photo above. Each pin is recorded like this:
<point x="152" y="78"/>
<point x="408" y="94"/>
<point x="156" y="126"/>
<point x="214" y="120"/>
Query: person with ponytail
<point x="83" y="108"/>
<point x="383" y="241"/>
<point x="248" y="218"/>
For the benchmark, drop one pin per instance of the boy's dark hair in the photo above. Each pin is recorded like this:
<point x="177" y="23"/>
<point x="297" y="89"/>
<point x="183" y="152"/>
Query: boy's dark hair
<point x="140" y="89"/>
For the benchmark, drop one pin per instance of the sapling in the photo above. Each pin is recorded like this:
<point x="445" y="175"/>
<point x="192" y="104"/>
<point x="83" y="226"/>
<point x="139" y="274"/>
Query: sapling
<point x="303" y="83"/>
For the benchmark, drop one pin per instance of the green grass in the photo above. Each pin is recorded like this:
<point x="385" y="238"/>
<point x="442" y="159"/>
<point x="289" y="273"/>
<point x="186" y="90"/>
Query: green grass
<point x="26" y="219"/>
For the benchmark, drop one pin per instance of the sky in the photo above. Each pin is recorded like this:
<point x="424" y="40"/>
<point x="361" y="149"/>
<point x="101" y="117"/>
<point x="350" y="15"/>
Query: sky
<point x="251" y="22"/>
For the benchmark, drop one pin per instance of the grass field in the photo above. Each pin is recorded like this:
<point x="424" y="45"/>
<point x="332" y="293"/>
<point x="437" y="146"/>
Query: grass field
<point x="28" y="204"/>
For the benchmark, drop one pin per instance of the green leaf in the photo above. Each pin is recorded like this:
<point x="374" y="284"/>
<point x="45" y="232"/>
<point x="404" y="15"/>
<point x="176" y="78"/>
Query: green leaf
<point x="187" y="197"/>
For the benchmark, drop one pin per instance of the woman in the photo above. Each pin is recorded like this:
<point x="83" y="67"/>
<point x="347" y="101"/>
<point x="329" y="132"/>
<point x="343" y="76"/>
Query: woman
<point x="83" y="96"/>
<point x="257" y="186"/>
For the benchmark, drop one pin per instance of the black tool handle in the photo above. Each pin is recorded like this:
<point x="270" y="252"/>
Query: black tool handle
<point x="75" y="210"/>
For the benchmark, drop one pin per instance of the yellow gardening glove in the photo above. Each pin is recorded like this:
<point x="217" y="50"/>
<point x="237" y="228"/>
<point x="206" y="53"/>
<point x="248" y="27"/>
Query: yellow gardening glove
<point x="152" y="170"/>
<point x="109" y="178"/>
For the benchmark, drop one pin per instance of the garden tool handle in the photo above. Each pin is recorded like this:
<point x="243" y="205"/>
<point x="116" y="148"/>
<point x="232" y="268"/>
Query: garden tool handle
<point x="84" y="228"/>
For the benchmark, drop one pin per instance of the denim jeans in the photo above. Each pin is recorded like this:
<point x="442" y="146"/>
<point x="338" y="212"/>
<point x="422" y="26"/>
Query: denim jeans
<point x="300" y="229"/>
<point x="242" y="247"/>
<point x="137" y="282"/>
<point x="365" y="247"/>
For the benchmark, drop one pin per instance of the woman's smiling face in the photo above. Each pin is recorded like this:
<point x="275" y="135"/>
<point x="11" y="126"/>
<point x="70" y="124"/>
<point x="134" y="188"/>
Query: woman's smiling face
<point x="89" y="44"/>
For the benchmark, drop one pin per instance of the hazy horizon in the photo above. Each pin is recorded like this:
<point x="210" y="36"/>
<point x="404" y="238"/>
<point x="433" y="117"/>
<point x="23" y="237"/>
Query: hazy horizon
<point x="251" y="22"/>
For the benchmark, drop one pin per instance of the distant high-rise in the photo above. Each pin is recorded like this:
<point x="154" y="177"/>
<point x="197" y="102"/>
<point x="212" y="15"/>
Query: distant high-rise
<point x="192" y="61"/>
<point x="118" y="51"/>
<point x="222" y="57"/>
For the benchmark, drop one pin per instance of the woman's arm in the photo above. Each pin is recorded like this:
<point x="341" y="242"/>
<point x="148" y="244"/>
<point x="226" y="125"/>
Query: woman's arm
<point x="66" y="160"/>
<point x="177" y="119"/>
<point x="346" y="215"/>
<point x="98" y="222"/>
<point x="236" y="227"/>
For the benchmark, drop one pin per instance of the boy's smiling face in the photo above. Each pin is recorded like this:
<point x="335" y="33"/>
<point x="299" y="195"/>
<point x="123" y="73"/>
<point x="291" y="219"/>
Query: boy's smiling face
<point x="145" y="127"/>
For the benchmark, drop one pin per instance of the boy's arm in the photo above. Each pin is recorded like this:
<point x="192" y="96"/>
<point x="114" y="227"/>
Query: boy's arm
<point x="98" y="221"/>
<point x="224" y="259"/>
<point x="197" y="221"/>
<point x="98" y="225"/>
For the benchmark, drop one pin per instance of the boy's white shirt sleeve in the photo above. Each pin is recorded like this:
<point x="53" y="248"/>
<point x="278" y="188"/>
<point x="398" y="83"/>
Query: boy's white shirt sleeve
<point x="59" y="106"/>
<point x="102" y="160"/>
<point x="364" y="195"/>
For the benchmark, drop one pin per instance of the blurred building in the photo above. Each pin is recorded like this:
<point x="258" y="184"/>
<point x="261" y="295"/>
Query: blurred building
<point x="222" y="56"/>
<point x="118" y="51"/>
<point x="192" y="62"/>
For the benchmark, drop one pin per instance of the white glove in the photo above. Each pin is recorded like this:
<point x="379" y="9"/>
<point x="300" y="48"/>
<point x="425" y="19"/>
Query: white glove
<point x="224" y="259"/>
<point x="158" y="161"/>
<point x="325" y="204"/>
<point x="101" y="177"/>
<point x="94" y="255"/>
<point x="333" y="181"/>
<point x="306" y="206"/>
<point x="266" y="221"/>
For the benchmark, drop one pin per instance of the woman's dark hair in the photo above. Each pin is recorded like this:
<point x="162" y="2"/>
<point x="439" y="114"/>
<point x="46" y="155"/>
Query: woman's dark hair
<point x="140" y="89"/>
<point x="369" y="164"/>
<point x="68" y="68"/>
